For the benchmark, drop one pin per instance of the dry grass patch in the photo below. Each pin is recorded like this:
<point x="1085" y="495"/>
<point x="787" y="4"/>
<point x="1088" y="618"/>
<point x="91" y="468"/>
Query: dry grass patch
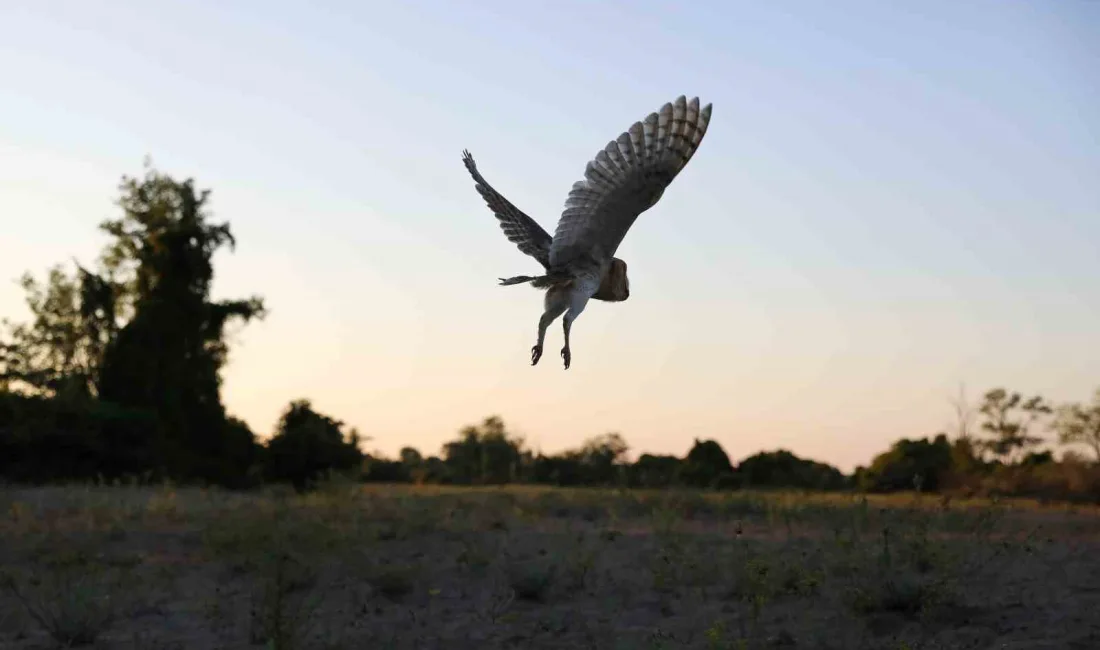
<point x="409" y="567"/>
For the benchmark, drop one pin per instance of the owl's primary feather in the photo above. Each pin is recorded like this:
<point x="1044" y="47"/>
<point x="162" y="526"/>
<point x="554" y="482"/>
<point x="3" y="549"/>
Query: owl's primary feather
<point x="625" y="179"/>
<point x="519" y="228"/>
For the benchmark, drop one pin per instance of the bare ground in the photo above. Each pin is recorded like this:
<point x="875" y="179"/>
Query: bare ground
<point x="406" y="567"/>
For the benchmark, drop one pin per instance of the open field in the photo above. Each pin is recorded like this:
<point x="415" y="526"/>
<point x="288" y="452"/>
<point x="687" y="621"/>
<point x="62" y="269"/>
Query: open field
<point x="519" y="567"/>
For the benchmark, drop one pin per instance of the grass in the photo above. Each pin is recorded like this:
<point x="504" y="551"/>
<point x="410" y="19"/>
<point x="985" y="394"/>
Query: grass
<point x="407" y="567"/>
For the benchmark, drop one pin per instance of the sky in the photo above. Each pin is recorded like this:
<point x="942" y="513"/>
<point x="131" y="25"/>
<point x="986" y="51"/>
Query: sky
<point x="892" y="199"/>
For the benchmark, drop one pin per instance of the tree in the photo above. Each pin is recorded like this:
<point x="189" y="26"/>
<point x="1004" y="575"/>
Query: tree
<point x="140" y="332"/>
<point x="706" y="464"/>
<point x="1010" y="419"/>
<point x="782" y="469"/>
<point x="46" y="439"/>
<point x="59" y="352"/>
<point x="1078" y="424"/>
<point x="484" y="454"/>
<point x="410" y="457"/>
<point x="964" y="415"/>
<point x="600" y="458"/>
<point x="910" y="464"/>
<point x="307" y="445"/>
<point x="656" y="471"/>
<point x="168" y="356"/>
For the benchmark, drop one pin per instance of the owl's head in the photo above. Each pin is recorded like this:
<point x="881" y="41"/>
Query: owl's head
<point x="615" y="286"/>
<point x="619" y="283"/>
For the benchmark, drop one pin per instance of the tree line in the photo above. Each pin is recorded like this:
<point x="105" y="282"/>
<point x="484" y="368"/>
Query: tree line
<point x="117" y="374"/>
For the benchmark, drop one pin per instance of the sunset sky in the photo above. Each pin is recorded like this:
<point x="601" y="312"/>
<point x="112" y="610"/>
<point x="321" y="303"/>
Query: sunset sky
<point x="892" y="198"/>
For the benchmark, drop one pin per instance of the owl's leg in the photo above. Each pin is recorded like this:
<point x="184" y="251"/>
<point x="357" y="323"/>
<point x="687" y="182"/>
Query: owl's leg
<point x="576" y="306"/>
<point x="555" y="303"/>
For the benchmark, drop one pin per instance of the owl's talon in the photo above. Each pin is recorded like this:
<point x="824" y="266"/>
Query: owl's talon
<point x="536" y="354"/>
<point x="566" y="356"/>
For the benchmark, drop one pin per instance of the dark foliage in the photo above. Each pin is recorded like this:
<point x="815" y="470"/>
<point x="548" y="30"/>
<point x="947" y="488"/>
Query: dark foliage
<point x="51" y="439"/>
<point x="308" y="445"/>
<point x="782" y="469"/>
<point x="651" y="471"/>
<point x="706" y="465"/>
<point x="484" y="454"/>
<point x="167" y="358"/>
<point x="1010" y="420"/>
<point x="910" y="464"/>
<point x="139" y="336"/>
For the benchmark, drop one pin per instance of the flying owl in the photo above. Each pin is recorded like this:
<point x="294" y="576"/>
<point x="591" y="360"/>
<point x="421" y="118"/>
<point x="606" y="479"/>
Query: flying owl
<point x="624" y="180"/>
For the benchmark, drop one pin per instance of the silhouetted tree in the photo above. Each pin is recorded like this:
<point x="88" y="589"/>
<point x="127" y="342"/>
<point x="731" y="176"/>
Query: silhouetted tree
<point x="910" y="465"/>
<point x="1010" y="418"/>
<point x="706" y="464"/>
<point x="564" y="469"/>
<point x="141" y="332"/>
<point x="418" y="469"/>
<point x="484" y="454"/>
<point x="782" y="469"/>
<point x="601" y="459"/>
<point x="167" y="358"/>
<point x="45" y="439"/>
<point x="410" y="457"/>
<point x="966" y="457"/>
<point x="1037" y="458"/>
<point x="1079" y="424"/>
<point x="655" y="471"/>
<point x="379" y="469"/>
<point x="307" y="445"/>
<point x="60" y="351"/>
<point x="431" y="470"/>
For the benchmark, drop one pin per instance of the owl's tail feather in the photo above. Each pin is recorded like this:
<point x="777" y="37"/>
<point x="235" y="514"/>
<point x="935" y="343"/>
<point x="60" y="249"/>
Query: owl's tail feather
<point x="537" y="281"/>
<point x="519" y="279"/>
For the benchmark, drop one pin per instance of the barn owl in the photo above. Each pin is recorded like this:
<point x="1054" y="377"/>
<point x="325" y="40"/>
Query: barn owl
<point x="624" y="180"/>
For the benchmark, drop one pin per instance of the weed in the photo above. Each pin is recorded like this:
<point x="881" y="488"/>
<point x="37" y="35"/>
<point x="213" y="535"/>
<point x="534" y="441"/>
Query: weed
<point x="283" y="604"/>
<point x="73" y="604"/>
<point x="393" y="580"/>
<point x="531" y="579"/>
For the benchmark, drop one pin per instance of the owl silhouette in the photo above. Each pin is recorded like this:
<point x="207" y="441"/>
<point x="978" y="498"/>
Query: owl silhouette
<point x="623" y="180"/>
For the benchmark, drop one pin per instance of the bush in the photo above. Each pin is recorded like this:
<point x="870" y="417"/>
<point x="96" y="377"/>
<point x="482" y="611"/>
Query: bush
<point x="706" y="464"/>
<point x="307" y="446"/>
<point x="1053" y="481"/>
<point x="44" y="440"/>
<point x="910" y="464"/>
<point x="782" y="469"/>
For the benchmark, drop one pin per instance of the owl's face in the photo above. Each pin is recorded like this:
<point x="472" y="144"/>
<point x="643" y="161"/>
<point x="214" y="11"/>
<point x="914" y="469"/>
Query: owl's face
<point x="620" y="283"/>
<point x="615" y="286"/>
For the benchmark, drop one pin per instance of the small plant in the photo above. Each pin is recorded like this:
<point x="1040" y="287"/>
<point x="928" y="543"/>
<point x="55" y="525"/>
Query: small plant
<point x="901" y="580"/>
<point x="74" y="604"/>
<point x="531" y="580"/>
<point x="496" y="609"/>
<point x="282" y="606"/>
<point x="907" y="593"/>
<point x="581" y="569"/>
<point x="394" y="581"/>
<point x="472" y="557"/>
<point x="717" y="638"/>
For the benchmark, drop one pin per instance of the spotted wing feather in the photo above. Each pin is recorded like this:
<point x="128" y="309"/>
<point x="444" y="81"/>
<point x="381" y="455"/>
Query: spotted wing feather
<point x="625" y="179"/>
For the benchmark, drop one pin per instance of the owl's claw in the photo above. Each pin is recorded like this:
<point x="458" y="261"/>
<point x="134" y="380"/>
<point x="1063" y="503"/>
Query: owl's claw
<point x="566" y="356"/>
<point x="536" y="354"/>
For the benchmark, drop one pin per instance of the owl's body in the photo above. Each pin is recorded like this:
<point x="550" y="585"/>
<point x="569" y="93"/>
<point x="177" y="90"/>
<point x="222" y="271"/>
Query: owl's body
<point x="625" y="179"/>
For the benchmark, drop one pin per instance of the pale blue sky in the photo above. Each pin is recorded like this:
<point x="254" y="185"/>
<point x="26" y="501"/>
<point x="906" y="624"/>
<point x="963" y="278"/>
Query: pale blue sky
<point x="892" y="198"/>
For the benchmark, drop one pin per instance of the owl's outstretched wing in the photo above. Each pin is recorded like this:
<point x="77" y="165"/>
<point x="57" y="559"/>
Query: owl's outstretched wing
<point x="627" y="178"/>
<point x="520" y="229"/>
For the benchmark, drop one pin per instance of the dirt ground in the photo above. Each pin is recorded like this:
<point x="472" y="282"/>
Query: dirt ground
<point x="430" y="567"/>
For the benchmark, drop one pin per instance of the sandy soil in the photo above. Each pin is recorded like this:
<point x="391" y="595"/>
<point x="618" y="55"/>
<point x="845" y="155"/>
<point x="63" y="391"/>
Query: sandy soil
<point x="406" y="567"/>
